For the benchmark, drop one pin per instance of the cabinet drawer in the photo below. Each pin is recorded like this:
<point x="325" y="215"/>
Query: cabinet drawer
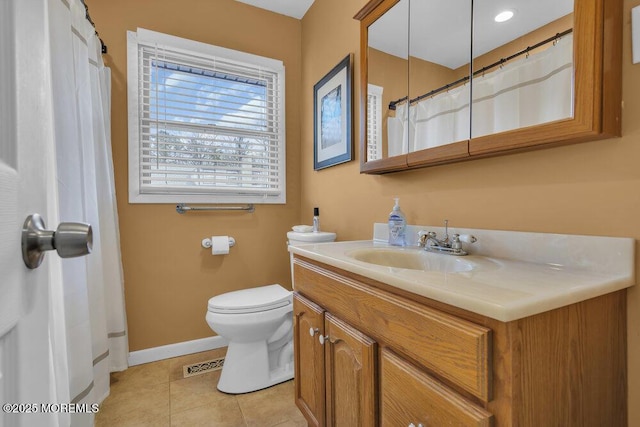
<point x="452" y="348"/>
<point x="408" y="395"/>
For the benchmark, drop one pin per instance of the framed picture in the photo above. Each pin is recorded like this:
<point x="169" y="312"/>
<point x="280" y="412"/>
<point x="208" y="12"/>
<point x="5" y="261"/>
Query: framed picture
<point x="332" y="130"/>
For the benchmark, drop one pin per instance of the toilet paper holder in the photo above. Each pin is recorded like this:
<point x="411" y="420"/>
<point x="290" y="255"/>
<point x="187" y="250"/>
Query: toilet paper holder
<point x="206" y="242"/>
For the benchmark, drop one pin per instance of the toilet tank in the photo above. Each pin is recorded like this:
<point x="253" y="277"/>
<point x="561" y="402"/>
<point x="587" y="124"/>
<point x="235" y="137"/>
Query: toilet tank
<point x="296" y="238"/>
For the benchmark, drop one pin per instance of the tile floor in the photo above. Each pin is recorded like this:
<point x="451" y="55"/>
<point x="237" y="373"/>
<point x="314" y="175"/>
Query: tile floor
<point x="156" y="394"/>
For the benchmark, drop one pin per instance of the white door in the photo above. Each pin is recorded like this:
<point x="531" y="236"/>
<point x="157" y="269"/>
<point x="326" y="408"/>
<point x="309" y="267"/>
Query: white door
<point x="27" y="186"/>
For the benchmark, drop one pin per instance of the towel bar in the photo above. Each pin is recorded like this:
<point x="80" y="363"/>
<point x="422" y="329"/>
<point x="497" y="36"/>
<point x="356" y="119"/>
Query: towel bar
<point x="182" y="208"/>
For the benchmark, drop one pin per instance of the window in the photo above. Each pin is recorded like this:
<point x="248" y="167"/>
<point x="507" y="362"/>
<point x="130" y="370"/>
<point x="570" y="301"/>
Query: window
<point x="206" y="124"/>
<point x="374" y="122"/>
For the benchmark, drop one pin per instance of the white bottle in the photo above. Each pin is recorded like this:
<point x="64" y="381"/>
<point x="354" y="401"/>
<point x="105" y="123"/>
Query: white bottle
<point x="397" y="225"/>
<point x="316" y="220"/>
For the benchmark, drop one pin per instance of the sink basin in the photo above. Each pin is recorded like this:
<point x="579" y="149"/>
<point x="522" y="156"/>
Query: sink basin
<point x="414" y="259"/>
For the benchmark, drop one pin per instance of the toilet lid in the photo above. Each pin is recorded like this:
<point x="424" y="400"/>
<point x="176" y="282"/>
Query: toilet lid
<point x="317" y="237"/>
<point x="251" y="300"/>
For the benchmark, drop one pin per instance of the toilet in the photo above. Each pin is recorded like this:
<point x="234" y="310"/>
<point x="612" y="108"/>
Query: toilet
<point x="296" y="238"/>
<point x="258" y="324"/>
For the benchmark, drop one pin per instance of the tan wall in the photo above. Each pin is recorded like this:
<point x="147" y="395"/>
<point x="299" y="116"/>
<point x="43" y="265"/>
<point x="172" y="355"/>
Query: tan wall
<point x="521" y="43"/>
<point x="168" y="276"/>
<point x="426" y="76"/>
<point x="591" y="188"/>
<point x="391" y="73"/>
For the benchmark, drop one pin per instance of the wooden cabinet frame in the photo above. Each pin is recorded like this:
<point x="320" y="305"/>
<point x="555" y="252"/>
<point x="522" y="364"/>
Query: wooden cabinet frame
<point x="597" y="94"/>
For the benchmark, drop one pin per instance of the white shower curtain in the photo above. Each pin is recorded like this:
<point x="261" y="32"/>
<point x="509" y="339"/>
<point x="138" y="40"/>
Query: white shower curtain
<point x="442" y="119"/>
<point x="88" y="325"/>
<point x="525" y="92"/>
<point x="398" y="131"/>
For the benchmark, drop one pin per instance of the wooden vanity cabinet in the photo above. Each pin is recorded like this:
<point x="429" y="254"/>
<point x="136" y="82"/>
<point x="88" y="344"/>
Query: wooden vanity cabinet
<point x="344" y="328"/>
<point x="393" y="358"/>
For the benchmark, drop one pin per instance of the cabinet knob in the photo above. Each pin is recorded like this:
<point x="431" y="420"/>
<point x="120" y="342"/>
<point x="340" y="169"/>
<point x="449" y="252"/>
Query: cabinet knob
<point x="323" y="338"/>
<point x="313" y="331"/>
<point x="413" y="425"/>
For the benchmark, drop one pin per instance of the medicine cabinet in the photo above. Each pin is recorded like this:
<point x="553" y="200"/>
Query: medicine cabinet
<point x="442" y="81"/>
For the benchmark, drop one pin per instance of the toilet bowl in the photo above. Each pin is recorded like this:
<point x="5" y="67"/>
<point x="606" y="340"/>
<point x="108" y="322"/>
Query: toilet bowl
<point x="258" y="324"/>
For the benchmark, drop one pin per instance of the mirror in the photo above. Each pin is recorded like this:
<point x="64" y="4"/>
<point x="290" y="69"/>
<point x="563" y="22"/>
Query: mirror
<point x="551" y="75"/>
<point x="522" y="66"/>
<point x="439" y="70"/>
<point x="388" y="74"/>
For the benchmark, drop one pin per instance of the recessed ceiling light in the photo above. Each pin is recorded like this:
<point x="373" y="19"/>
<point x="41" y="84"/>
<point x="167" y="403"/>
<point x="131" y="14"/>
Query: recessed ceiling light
<point x="504" y="16"/>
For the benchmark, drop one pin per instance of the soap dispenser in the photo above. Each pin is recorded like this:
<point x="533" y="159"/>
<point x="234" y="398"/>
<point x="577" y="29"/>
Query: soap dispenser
<point x="397" y="225"/>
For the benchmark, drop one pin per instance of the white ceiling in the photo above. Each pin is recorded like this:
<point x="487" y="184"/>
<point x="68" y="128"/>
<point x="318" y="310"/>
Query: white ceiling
<point x="293" y="8"/>
<point x="440" y="30"/>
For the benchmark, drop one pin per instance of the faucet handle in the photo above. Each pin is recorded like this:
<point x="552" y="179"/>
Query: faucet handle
<point x="456" y="243"/>
<point x="423" y="236"/>
<point x="467" y="238"/>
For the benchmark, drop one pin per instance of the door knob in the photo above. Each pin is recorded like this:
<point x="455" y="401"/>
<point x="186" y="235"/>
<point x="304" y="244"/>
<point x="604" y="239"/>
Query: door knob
<point x="71" y="239"/>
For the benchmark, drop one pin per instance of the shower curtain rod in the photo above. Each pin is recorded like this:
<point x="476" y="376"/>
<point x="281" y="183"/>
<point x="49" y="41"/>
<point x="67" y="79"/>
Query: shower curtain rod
<point x="103" y="47"/>
<point x="502" y="61"/>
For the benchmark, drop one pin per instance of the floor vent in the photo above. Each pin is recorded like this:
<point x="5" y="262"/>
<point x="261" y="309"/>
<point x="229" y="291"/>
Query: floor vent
<point x="203" y="367"/>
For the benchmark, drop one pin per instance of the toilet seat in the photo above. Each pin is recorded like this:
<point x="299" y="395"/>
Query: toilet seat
<point x="253" y="300"/>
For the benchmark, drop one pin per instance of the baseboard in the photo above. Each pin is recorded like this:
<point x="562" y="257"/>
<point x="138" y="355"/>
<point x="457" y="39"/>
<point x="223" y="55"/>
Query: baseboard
<point x="174" y="350"/>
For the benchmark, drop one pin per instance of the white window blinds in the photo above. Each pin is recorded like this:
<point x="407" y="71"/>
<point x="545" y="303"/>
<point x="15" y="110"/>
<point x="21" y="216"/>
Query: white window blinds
<point x="209" y="123"/>
<point x="374" y="122"/>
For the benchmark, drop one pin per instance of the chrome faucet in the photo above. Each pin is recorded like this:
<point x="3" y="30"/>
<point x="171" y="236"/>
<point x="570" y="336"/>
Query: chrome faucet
<point x="452" y="246"/>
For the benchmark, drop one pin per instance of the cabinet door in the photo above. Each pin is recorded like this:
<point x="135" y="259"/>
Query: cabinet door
<point x="351" y="375"/>
<point x="411" y="397"/>
<point x="308" y="325"/>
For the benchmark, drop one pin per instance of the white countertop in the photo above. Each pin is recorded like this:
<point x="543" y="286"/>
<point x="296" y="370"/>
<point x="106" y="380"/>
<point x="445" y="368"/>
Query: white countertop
<point x="570" y="269"/>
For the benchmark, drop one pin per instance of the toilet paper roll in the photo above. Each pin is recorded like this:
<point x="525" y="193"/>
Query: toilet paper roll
<point x="219" y="245"/>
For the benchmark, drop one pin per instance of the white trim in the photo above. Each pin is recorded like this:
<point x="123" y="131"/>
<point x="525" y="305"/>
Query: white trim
<point x="152" y="38"/>
<point x="204" y="198"/>
<point x="635" y="33"/>
<point x="193" y="48"/>
<point x="133" y="114"/>
<point x="174" y="350"/>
